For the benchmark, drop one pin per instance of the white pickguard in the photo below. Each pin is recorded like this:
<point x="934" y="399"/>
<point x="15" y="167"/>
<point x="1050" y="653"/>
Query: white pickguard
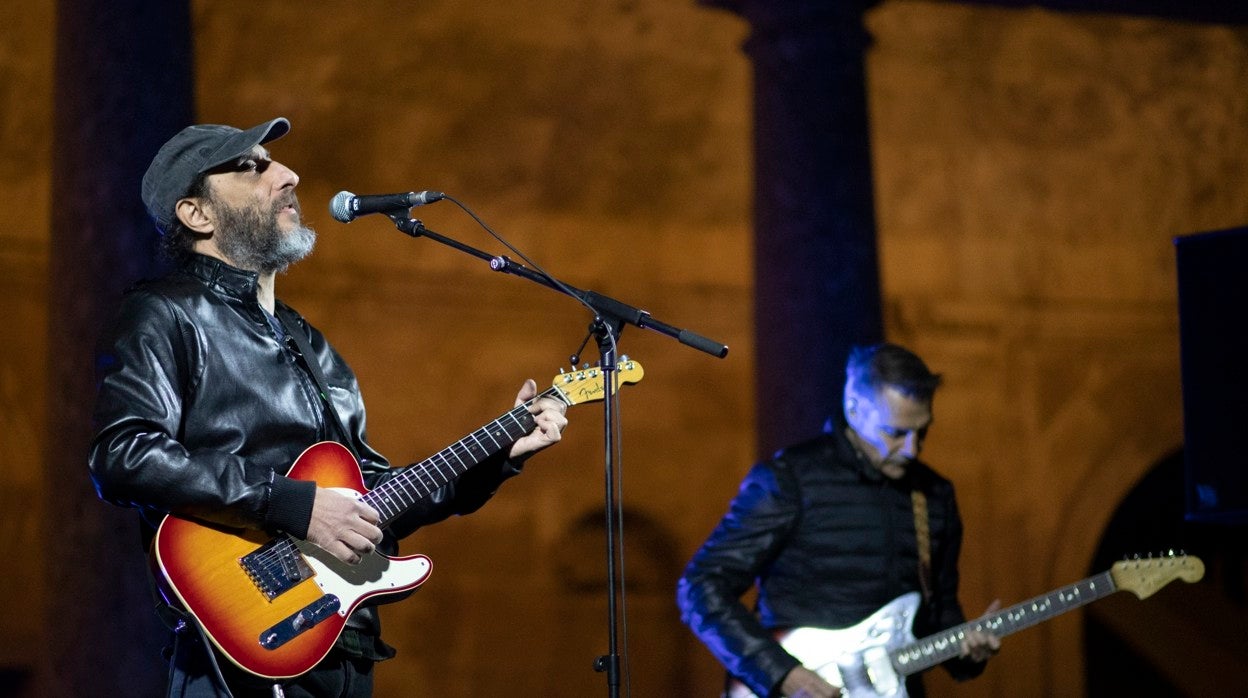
<point x="856" y="658"/>
<point x="375" y="574"/>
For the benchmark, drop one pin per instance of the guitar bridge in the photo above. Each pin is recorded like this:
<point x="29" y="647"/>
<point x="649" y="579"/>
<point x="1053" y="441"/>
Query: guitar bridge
<point x="275" y="567"/>
<point x="296" y="623"/>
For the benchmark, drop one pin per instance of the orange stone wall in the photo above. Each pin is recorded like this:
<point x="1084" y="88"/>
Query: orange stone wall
<point x="1031" y="170"/>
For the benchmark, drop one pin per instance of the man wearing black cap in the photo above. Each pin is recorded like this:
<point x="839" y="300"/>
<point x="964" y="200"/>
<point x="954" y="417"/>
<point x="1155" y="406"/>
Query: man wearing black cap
<point x="210" y="388"/>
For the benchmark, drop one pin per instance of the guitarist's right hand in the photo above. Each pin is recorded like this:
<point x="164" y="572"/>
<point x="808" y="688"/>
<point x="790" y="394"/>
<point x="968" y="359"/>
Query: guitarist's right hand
<point x="801" y="682"/>
<point x="343" y="526"/>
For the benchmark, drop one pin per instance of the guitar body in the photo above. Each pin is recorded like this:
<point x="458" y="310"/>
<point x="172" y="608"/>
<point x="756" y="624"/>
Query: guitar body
<point x="872" y="658"/>
<point x="203" y="567"/>
<point x="275" y="606"/>
<point x="857" y="658"/>
<point x="854" y="659"/>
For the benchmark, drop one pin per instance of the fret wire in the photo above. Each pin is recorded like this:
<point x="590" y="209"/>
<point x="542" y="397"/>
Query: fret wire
<point x="420" y="480"/>
<point x="1015" y="618"/>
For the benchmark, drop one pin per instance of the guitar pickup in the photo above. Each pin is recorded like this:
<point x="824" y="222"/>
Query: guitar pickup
<point x="308" y="616"/>
<point x="275" y="567"/>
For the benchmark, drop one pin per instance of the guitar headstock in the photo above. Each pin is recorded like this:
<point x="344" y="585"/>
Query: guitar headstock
<point x="1144" y="576"/>
<point x="589" y="384"/>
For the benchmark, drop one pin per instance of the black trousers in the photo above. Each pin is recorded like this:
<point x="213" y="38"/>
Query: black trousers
<point x="192" y="675"/>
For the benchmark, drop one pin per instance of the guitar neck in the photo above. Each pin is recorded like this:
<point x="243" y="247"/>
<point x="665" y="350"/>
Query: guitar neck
<point x="395" y="496"/>
<point x="947" y="644"/>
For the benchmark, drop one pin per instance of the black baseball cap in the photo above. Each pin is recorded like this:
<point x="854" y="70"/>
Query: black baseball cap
<point x="193" y="151"/>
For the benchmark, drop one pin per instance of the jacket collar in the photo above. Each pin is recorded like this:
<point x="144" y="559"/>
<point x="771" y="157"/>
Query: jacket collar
<point x="846" y="452"/>
<point x="223" y="277"/>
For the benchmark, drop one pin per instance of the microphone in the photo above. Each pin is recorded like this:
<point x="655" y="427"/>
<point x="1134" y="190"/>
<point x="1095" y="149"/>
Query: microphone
<point x="346" y="207"/>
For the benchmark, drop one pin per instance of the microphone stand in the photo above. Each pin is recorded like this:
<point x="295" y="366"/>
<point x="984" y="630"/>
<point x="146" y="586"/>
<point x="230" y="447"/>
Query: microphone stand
<point x="610" y="316"/>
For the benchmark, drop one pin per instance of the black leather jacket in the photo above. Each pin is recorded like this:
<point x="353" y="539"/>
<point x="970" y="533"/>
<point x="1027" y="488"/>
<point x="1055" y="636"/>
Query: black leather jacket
<point x="203" y="407"/>
<point x="829" y="541"/>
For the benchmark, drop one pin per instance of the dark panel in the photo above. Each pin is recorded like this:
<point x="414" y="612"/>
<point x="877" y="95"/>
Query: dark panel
<point x="1213" y="331"/>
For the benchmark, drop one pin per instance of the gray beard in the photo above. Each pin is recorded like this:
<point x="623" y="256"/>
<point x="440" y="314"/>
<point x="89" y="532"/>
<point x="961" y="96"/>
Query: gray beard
<point x="257" y="243"/>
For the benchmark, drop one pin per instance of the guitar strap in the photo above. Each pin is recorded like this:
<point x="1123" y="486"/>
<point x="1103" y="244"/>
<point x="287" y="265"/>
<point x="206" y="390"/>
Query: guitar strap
<point x="295" y="333"/>
<point x="923" y="537"/>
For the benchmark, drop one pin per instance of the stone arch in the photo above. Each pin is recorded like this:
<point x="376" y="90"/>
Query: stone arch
<point x="1075" y="546"/>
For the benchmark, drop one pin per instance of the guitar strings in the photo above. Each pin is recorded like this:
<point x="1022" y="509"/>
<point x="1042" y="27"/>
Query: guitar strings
<point x="421" y="470"/>
<point x="283" y="555"/>
<point x="401" y="485"/>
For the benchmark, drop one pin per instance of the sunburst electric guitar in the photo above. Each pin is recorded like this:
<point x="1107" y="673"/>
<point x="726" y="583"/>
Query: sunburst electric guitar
<point x="274" y="606"/>
<point x="872" y="659"/>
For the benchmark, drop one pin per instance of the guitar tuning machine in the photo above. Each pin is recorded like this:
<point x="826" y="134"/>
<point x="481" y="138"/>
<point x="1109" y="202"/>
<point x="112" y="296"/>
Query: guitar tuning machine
<point x="586" y="366"/>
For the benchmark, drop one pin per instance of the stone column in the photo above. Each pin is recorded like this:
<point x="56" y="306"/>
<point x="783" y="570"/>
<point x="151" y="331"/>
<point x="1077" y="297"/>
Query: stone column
<point x="817" y="288"/>
<point x="123" y="85"/>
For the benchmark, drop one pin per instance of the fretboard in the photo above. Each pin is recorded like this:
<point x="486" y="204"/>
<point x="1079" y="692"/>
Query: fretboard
<point x="934" y="649"/>
<point x="422" y="479"/>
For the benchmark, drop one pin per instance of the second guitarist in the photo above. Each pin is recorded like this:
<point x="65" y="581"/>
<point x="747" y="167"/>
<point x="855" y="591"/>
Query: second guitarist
<point x="831" y="530"/>
<point x="210" y="388"/>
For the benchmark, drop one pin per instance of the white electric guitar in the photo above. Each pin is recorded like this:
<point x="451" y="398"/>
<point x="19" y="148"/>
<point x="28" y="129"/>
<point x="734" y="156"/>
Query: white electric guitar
<point x="872" y="659"/>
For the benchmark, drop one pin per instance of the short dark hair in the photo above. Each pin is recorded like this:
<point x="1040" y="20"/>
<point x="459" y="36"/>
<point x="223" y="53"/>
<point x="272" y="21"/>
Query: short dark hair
<point x="178" y="242"/>
<point x="875" y="366"/>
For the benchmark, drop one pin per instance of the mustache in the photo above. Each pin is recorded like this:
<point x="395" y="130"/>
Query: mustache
<point x="285" y="200"/>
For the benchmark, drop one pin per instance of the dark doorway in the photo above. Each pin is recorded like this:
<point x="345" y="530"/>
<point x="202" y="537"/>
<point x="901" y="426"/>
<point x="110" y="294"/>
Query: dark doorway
<point x="1187" y="639"/>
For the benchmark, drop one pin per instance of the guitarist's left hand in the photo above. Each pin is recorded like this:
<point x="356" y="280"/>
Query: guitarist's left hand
<point x="979" y="646"/>
<point x="549" y="415"/>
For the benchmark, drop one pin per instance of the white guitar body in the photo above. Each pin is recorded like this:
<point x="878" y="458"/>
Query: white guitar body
<point x="861" y="666"/>
<point x="855" y="659"/>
